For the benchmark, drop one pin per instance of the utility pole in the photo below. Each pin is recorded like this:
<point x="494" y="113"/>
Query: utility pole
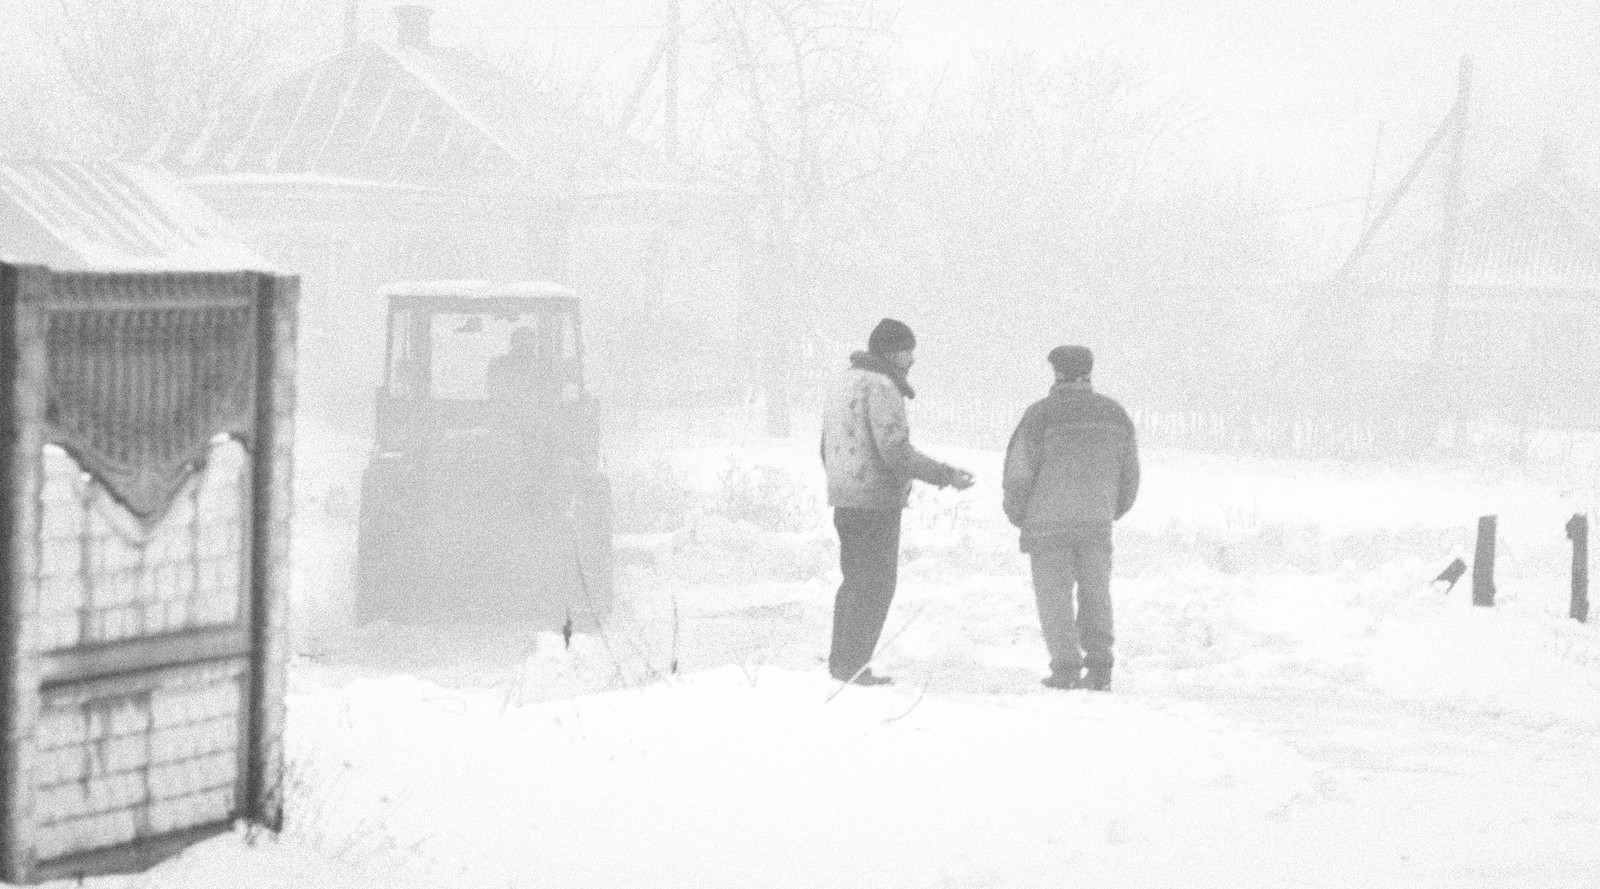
<point x="352" y="22"/>
<point x="1449" y="232"/>
<point x="665" y="55"/>
<point x="1372" y="178"/>
<point x="674" y="39"/>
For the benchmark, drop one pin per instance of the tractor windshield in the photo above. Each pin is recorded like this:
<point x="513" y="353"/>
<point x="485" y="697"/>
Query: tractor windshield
<point x="476" y="355"/>
<point x="471" y="352"/>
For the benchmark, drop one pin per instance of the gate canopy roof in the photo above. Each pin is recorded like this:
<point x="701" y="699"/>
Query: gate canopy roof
<point x="112" y="216"/>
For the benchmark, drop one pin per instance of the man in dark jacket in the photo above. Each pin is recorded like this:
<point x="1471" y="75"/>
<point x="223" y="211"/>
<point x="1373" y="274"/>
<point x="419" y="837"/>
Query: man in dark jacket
<point x="1072" y="468"/>
<point x="867" y="454"/>
<point x="522" y="374"/>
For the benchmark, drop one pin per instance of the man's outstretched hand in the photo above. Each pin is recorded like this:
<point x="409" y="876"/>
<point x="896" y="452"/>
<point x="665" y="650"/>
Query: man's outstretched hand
<point x="960" y="479"/>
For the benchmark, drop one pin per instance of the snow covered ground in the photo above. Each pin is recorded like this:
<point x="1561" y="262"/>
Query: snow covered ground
<point x="1294" y="704"/>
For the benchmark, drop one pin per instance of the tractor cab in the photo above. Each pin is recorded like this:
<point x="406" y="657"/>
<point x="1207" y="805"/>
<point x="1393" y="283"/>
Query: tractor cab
<point x="470" y="355"/>
<point x="484" y="497"/>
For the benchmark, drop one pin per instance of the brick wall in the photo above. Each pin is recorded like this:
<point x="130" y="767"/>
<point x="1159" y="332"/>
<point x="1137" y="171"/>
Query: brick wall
<point x="104" y="579"/>
<point x="142" y="666"/>
<point x="159" y="752"/>
<point x="136" y="757"/>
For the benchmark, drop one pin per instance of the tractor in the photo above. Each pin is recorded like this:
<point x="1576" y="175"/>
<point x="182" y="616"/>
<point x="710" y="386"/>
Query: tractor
<point x="485" y="497"/>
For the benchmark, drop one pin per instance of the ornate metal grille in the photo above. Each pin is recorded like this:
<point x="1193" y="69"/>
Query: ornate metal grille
<point x="136" y="394"/>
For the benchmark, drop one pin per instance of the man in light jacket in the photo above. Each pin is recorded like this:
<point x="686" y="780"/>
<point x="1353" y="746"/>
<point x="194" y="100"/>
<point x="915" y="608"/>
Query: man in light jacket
<point x="1072" y="468"/>
<point x="870" y="462"/>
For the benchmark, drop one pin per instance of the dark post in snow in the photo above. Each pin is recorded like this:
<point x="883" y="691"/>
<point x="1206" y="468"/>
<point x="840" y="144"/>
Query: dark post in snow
<point x="1483" y="563"/>
<point x="1578" y="533"/>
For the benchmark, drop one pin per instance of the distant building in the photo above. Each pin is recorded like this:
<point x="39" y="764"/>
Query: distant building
<point x="1502" y="324"/>
<point x="405" y="161"/>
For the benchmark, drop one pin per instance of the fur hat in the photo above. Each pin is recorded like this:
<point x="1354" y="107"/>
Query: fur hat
<point x="890" y="336"/>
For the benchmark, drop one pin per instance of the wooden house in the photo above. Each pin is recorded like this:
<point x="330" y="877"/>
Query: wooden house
<point x="403" y="160"/>
<point x="1492" y="311"/>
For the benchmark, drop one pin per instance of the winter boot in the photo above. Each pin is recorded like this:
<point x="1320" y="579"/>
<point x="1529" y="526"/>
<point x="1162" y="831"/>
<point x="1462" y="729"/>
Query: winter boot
<point x="1096" y="679"/>
<point x="866" y="677"/>
<point x="1064" y="681"/>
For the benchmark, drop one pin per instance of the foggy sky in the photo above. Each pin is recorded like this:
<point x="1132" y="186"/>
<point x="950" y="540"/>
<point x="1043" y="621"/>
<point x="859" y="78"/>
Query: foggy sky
<point x="1296" y="90"/>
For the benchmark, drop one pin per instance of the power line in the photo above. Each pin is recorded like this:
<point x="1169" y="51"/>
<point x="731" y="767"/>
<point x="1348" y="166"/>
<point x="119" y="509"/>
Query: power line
<point x="582" y="28"/>
<point x="1337" y="202"/>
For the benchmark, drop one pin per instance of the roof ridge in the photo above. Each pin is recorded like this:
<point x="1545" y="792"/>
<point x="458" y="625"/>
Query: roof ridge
<point x="1560" y="190"/>
<point x="451" y="99"/>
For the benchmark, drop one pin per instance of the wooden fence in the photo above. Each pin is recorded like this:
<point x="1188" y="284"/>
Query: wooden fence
<point x="1286" y="433"/>
<point x="1262" y="430"/>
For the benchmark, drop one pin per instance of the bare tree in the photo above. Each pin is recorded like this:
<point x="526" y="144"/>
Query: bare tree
<point x="1054" y="157"/>
<point x="799" y="106"/>
<point x="45" y="117"/>
<point x="1083" y="193"/>
<point x="162" y="70"/>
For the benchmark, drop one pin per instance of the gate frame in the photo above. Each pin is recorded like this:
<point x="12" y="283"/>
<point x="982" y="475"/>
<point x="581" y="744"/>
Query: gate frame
<point x="25" y="297"/>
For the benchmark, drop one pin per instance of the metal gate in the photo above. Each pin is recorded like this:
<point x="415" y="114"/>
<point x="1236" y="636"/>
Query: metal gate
<point x="144" y="510"/>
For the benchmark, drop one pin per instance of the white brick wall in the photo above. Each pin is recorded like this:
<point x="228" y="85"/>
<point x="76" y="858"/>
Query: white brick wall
<point x="105" y="761"/>
<point x="105" y="579"/>
<point x="111" y="767"/>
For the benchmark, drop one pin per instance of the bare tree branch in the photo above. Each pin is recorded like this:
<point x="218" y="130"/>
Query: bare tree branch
<point x="164" y="69"/>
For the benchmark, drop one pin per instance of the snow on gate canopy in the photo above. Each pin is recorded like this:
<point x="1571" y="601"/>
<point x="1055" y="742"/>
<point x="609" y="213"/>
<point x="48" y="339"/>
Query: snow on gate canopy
<point x="112" y="215"/>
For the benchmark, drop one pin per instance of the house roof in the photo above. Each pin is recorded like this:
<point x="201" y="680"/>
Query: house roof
<point x="379" y="112"/>
<point x="1543" y="233"/>
<point x="110" y="215"/>
<point x="475" y="289"/>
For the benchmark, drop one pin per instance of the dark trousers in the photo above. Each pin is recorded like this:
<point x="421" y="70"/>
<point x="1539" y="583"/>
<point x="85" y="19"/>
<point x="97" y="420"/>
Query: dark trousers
<point x="869" y="558"/>
<point x="1076" y="633"/>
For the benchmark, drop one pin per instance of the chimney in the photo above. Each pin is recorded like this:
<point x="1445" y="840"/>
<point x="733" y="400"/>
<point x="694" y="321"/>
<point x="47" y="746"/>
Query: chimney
<point x="411" y="20"/>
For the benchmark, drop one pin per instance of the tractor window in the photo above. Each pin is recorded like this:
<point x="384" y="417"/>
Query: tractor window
<point x="465" y="344"/>
<point x="404" y="368"/>
<point x="566" y="338"/>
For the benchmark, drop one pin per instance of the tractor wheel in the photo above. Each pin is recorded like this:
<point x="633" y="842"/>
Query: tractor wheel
<point x="593" y="535"/>
<point x="378" y="545"/>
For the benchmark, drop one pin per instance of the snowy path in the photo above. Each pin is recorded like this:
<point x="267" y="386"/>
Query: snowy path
<point x="1293" y="707"/>
<point x="1363" y="737"/>
<point x="746" y="773"/>
<point x="1423" y="794"/>
<point x="732" y="778"/>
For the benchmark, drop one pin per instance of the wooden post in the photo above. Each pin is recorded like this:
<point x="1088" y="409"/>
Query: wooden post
<point x="1578" y="533"/>
<point x="1483" y="563"/>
